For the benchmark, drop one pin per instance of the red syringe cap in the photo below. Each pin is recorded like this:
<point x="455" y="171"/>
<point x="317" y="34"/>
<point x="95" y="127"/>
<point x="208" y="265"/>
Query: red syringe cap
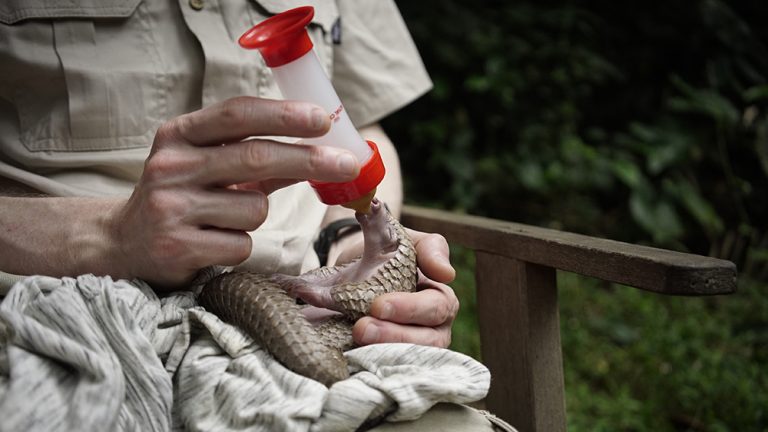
<point x="282" y="38"/>
<point x="371" y="174"/>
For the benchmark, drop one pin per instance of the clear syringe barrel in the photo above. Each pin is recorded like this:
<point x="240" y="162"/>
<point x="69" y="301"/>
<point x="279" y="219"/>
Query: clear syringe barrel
<point x="286" y="48"/>
<point x="304" y="79"/>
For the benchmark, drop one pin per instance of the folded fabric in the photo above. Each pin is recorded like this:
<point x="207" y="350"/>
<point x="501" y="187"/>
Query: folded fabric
<point x="95" y="354"/>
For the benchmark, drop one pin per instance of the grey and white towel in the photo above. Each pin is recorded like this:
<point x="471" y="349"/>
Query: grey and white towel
<point x="95" y="354"/>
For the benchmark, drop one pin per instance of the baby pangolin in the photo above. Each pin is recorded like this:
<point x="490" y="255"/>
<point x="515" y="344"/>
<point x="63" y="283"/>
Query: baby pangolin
<point x="264" y="306"/>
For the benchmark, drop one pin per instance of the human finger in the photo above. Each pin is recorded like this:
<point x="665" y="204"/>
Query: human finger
<point x="369" y="330"/>
<point x="428" y="307"/>
<point x="175" y="255"/>
<point x="259" y="160"/>
<point x="433" y="256"/>
<point x="267" y="186"/>
<point x="238" y="118"/>
<point x="243" y="210"/>
<point x="223" y="247"/>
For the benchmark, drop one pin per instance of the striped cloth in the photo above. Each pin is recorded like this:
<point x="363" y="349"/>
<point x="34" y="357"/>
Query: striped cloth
<point x="95" y="354"/>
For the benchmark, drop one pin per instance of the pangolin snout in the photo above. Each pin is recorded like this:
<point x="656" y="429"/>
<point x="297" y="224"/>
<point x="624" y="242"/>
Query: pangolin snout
<point x="377" y="231"/>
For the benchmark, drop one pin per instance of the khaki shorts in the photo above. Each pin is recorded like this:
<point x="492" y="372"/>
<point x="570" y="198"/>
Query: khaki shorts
<point x="446" y="417"/>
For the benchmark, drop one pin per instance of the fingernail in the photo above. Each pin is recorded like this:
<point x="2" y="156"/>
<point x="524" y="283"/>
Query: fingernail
<point x="387" y="311"/>
<point x="347" y="164"/>
<point x="371" y="334"/>
<point x="318" y="117"/>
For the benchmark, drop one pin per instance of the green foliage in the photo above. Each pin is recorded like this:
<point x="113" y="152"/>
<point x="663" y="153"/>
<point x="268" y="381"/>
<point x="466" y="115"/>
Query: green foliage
<point x="653" y="363"/>
<point x="643" y="122"/>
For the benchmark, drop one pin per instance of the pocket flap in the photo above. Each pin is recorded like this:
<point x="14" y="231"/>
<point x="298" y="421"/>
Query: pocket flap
<point x="13" y="11"/>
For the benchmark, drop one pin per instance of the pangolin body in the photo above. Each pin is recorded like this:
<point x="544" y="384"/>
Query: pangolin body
<point x="264" y="306"/>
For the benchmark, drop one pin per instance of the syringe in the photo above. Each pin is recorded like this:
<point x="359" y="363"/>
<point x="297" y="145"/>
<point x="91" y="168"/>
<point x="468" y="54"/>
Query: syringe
<point x="286" y="48"/>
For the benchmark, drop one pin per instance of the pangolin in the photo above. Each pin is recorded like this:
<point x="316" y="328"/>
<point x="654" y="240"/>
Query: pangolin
<point x="264" y="306"/>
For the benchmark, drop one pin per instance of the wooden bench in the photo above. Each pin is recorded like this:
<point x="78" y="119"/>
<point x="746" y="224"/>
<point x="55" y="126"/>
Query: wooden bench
<point x="517" y="300"/>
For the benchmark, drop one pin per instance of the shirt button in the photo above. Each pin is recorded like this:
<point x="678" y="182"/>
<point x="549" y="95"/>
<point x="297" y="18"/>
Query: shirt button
<point x="196" y="4"/>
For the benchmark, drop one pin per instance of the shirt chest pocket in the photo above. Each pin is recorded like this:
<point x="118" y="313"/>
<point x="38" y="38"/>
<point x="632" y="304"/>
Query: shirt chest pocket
<point x="79" y="75"/>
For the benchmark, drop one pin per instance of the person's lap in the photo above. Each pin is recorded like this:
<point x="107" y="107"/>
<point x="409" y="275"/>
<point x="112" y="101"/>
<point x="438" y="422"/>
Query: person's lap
<point x="447" y="417"/>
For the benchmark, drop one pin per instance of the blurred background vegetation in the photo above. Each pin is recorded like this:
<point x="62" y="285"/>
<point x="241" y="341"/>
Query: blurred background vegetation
<point x="644" y="122"/>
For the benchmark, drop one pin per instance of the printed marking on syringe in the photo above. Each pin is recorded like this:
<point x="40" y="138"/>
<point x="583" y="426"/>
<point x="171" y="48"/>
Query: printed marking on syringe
<point x="337" y="114"/>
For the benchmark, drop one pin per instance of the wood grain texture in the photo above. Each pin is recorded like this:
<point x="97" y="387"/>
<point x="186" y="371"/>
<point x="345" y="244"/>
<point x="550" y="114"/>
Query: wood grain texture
<point x="648" y="268"/>
<point x="520" y="342"/>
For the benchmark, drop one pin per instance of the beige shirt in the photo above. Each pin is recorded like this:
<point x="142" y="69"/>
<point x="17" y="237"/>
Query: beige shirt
<point x="84" y="86"/>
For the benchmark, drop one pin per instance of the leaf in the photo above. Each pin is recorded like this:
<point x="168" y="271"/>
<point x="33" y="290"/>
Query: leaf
<point x="531" y="175"/>
<point x="658" y="218"/>
<point x="756" y="93"/>
<point x="695" y="204"/>
<point x="628" y="173"/>
<point x="672" y="147"/>
<point x="703" y="101"/>
<point x="477" y="84"/>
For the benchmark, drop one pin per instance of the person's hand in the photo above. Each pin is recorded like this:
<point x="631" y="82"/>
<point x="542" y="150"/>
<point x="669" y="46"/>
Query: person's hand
<point x="424" y="317"/>
<point x="203" y="187"/>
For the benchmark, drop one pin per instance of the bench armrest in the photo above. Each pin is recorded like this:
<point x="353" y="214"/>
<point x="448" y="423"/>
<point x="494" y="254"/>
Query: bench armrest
<point x="652" y="269"/>
<point x="516" y="270"/>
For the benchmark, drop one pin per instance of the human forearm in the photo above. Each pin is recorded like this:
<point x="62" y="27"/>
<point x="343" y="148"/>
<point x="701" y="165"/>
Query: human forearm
<point x="59" y="236"/>
<point x="204" y="186"/>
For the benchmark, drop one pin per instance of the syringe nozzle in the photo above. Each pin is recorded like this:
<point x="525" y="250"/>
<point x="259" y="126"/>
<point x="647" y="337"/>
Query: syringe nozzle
<point x="362" y="204"/>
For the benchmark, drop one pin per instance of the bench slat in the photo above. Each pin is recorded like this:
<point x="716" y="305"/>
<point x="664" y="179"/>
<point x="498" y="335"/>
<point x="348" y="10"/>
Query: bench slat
<point x="520" y="342"/>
